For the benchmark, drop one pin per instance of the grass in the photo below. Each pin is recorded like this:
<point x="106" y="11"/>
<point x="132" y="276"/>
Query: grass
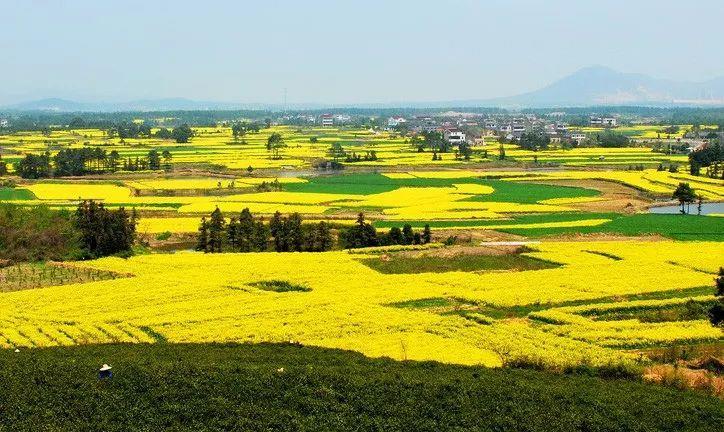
<point x="399" y="264"/>
<point x="7" y="193"/>
<point x="279" y="286"/>
<point x="371" y="183"/>
<point x="214" y="387"/>
<point x="691" y="310"/>
<point x="529" y="193"/>
<point x="678" y="227"/>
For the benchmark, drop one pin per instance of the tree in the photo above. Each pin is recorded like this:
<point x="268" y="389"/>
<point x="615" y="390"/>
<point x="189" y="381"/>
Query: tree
<point x="246" y="231"/>
<point x="104" y="232"/>
<point x="535" y="140"/>
<point x="232" y="233"/>
<point x="611" y="139"/>
<point x="114" y="160"/>
<point x="362" y="234"/>
<point x="716" y="313"/>
<point x="336" y="151"/>
<point x="3" y="167"/>
<point x="202" y="239"/>
<point x="34" y="166"/>
<point x="276" y="229"/>
<point x="238" y="130"/>
<point x="182" y="134"/>
<point x="501" y="152"/>
<point x="294" y="238"/>
<point x="274" y="144"/>
<point x="408" y="236"/>
<point x="216" y="231"/>
<point x="394" y="237"/>
<point x="154" y="160"/>
<point x="166" y="155"/>
<point x="426" y="234"/>
<point x="685" y="195"/>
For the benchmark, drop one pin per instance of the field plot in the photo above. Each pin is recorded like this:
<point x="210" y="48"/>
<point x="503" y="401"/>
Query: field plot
<point x="491" y="313"/>
<point x="216" y="147"/>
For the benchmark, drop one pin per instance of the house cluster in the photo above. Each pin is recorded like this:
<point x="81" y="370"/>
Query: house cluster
<point x="4" y="123"/>
<point x="596" y="121"/>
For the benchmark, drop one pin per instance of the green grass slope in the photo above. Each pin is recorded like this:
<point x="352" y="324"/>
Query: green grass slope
<point x="242" y="387"/>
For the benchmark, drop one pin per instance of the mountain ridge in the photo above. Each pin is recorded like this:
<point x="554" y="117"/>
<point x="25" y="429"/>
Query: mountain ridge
<point x="589" y="86"/>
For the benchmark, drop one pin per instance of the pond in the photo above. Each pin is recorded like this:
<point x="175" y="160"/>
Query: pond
<point x="706" y="208"/>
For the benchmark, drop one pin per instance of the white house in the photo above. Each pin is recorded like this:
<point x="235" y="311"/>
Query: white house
<point x="454" y="136"/>
<point x="595" y="121"/>
<point x="4" y="123"/>
<point x="578" y="137"/>
<point x="327" y="120"/>
<point x="395" y="121"/>
<point x="609" y="121"/>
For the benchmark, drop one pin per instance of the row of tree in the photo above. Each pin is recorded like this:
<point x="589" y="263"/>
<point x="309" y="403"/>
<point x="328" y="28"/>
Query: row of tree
<point x="126" y="130"/>
<point x="247" y="233"/>
<point x="364" y="234"/>
<point x="83" y="161"/>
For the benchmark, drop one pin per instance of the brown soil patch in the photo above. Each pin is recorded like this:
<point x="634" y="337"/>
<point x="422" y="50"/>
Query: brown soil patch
<point x="614" y="197"/>
<point x="572" y="237"/>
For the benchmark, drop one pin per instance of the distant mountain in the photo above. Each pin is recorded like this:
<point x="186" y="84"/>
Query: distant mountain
<point x="590" y="86"/>
<point x="599" y="85"/>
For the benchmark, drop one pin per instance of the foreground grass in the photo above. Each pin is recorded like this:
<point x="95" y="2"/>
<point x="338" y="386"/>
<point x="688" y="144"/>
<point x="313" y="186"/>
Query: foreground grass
<point x="243" y="387"/>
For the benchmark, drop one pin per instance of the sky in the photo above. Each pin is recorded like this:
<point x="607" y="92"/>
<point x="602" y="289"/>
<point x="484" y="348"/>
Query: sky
<point x="343" y="51"/>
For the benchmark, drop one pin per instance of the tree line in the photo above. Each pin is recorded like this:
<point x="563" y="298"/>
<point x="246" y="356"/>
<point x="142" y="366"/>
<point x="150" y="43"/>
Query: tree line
<point x="247" y="233"/>
<point x="39" y="233"/>
<point x="364" y="234"/>
<point x="84" y="161"/>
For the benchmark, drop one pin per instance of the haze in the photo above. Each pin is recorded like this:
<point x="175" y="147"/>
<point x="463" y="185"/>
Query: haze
<point x="342" y="52"/>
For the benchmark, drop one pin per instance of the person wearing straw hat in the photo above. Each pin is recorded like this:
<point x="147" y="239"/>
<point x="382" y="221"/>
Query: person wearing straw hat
<point x="105" y="372"/>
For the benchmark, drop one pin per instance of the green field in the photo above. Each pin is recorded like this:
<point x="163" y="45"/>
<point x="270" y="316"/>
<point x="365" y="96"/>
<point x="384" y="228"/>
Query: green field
<point x="7" y="193"/>
<point x="291" y="388"/>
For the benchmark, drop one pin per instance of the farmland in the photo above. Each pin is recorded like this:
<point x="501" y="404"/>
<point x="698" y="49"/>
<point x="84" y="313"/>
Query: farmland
<point x="549" y="260"/>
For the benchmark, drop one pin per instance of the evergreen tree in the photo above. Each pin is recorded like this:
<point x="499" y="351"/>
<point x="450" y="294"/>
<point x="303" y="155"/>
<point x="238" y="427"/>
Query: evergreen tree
<point x="216" y="231"/>
<point x="276" y="228"/>
<point x="395" y="236"/>
<point x="426" y="234"/>
<point x="408" y="236"/>
<point x="232" y="233"/>
<point x="202" y="239"/>
<point x="294" y="238"/>
<point x="246" y="231"/>
<point x="261" y="236"/>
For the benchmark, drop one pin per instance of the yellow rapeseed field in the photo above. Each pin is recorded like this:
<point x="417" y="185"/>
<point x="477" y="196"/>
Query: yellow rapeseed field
<point x="192" y="297"/>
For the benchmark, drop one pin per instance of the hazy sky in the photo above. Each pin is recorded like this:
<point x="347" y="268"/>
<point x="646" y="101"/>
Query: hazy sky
<point x="342" y="51"/>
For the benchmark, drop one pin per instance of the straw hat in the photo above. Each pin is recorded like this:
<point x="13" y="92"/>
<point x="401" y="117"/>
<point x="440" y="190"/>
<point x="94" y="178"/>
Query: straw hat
<point x="105" y="367"/>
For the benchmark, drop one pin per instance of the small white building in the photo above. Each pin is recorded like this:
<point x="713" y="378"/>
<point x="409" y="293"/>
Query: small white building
<point x="595" y="121"/>
<point x="327" y="120"/>
<point x="609" y="121"/>
<point x="578" y="137"/>
<point x="454" y="136"/>
<point x="4" y="123"/>
<point x="395" y="121"/>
